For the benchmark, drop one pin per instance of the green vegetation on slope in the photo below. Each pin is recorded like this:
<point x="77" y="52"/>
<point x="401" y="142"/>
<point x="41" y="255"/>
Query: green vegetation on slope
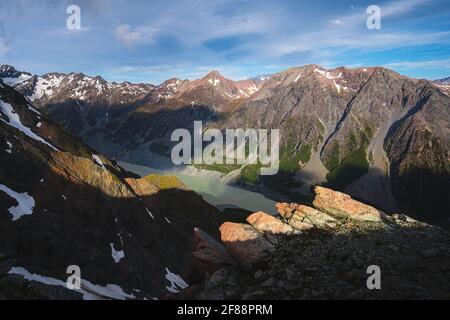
<point x="290" y="164"/>
<point x="351" y="168"/>
<point x="223" y="168"/>
<point x="333" y="159"/>
<point x="164" y="182"/>
<point x="251" y="172"/>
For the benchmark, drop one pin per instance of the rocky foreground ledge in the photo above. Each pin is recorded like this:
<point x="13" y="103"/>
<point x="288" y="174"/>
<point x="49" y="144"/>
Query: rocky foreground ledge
<point x="322" y="252"/>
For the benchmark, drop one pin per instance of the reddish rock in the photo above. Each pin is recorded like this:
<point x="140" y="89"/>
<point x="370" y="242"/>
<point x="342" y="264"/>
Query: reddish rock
<point x="342" y="205"/>
<point x="209" y="254"/>
<point x="266" y="223"/>
<point x="285" y="209"/>
<point x="245" y="244"/>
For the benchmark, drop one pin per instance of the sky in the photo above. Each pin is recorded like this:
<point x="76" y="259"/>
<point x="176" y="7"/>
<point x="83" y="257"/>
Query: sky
<point x="151" y="41"/>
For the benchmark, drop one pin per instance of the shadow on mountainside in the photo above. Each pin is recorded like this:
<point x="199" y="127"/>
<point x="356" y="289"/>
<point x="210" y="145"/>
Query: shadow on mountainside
<point x="74" y="223"/>
<point x="420" y="193"/>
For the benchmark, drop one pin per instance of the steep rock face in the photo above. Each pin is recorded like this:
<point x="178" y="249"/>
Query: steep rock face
<point x="209" y="254"/>
<point x="418" y="147"/>
<point x="63" y="204"/>
<point x="245" y="244"/>
<point x="356" y="130"/>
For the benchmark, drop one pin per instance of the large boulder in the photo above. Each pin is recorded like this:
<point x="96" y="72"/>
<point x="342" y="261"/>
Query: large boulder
<point x="342" y="205"/>
<point x="245" y="244"/>
<point x="266" y="223"/>
<point x="209" y="254"/>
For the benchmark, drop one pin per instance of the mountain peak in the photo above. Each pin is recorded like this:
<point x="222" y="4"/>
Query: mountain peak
<point x="6" y="68"/>
<point x="444" y="80"/>
<point x="213" y="74"/>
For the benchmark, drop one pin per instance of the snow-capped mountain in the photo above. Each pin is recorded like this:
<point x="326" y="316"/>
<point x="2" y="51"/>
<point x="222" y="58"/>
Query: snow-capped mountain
<point x="360" y="130"/>
<point x="444" y="80"/>
<point x="63" y="203"/>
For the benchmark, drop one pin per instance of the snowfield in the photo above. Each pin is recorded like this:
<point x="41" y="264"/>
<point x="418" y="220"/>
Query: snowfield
<point x="25" y="202"/>
<point x="89" y="290"/>
<point x="98" y="161"/>
<point x="117" y="255"/>
<point x="14" y="121"/>
<point x="176" y="282"/>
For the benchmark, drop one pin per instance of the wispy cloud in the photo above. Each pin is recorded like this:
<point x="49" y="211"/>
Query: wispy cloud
<point x="126" y="36"/>
<point x="427" y="64"/>
<point x="181" y="37"/>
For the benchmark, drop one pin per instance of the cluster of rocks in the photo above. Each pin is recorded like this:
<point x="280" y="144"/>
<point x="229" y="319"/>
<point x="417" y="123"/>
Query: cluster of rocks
<point x="323" y="252"/>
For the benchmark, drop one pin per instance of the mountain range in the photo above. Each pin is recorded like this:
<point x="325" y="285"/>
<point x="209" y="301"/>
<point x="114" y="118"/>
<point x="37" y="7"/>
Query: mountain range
<point x="62" y="204"/>
<point x="371" y="132"/>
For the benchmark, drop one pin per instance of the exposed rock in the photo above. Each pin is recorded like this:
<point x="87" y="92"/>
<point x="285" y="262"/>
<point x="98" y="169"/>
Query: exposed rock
<point x="245" y="244"/>
<point x="209" y="254"/>
<point x="314" y="217"/>
<point x="266" y="223"/>
<point x="286" y="210"/>
<point x="342" y="205"/>
<point x="404" y="217"/>
<point x="299" y="225"/>
<point x="415" y="261"/>
<point x="302" y="217"/>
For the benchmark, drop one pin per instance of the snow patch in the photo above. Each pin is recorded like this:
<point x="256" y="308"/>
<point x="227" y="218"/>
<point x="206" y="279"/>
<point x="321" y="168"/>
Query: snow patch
<point x="298" y="77"/>
<point x="9" y="144"/>
<point x="214" y="82"/>
<point x="149" y="213"/>
<point x="338" y="87"/>
<point x="117" y="255"/>
<point x="14" y="121"/>
<point x="89" y="290"/>
<point x="25" y="203"/>
<point x="327" y="74"/>
<point x="16" y="80"/>
<point x="176" y="282"/>
<point x="98" y="161"/>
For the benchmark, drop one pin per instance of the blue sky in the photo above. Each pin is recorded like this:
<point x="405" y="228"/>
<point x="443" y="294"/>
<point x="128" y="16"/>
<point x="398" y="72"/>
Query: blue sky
<point x="150" y="41"/>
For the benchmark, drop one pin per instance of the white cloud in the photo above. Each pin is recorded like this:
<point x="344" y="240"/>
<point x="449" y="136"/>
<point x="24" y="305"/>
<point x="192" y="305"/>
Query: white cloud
<point x="127" y="37"/>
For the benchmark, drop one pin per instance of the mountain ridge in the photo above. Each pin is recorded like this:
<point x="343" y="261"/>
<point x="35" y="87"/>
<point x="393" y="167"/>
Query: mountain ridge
<point x="62" y="203"/>
<point x="350" y="128"/>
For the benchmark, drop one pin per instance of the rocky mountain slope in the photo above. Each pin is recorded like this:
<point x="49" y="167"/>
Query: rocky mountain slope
<point x="379" y="136"/>
<point x="323" y="252"/>
<point x="62" y="203"/>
